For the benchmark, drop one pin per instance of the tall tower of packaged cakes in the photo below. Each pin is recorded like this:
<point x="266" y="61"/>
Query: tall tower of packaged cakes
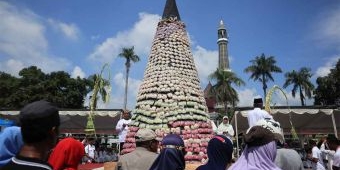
<point x="170" y="99"/>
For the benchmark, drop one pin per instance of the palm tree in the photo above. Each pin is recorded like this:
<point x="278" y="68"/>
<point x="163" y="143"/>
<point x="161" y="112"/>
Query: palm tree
<point x="261" y="70"/>
<point x="300" y="80"/>
<point x="223" y="89"/>
<point x="129" y="55"/>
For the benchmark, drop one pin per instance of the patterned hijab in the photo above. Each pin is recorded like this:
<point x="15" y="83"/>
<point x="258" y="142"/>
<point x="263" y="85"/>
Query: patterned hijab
<point x="10" y="144"/>
<point x="172" y="154"/>
<point x="220" y="152"/>
<point x="257" y="158"/>
<point x="67" y="154"/>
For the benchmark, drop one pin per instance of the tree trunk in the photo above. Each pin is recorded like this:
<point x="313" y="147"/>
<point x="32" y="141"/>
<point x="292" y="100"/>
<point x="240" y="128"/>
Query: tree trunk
<point x="264" y="85"/>
<point x="126" y="84"/>
<point x="301" y="97"/>
<point x="226" y="108"/>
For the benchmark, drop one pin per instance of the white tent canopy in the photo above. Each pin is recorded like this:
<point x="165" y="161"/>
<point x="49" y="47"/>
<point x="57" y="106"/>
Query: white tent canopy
<point x="305" y="121"/>
<point x="104" y="120"/>
<point x="110" y="113"/>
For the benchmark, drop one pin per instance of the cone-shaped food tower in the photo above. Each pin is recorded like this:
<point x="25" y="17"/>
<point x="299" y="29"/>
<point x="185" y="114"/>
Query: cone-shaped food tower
<point x="170" y="99"/>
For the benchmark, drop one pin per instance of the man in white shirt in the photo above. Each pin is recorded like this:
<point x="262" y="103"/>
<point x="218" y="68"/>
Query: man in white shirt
<point x="317" y="162"/>
<point x="334" y="144"/>
<point x="122" y="127"/>
<point x="327" y="154"/>
<point x="225" y="128"/>
<point x="90" y="150"/>
<point x="257" y="114"/>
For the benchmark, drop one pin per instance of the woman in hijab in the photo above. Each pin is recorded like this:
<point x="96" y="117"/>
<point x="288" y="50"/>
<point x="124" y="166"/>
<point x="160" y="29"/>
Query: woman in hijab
<point x="67" y="154"/>
<point x="260" y="150"/>
<point x="172" y="154"/>
<point x="10" y="144"/>
<point x="220" y="152"/>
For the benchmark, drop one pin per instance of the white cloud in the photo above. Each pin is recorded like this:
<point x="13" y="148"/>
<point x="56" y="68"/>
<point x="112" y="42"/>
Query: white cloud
<point x="206" y="63"/>
<point x="77" y="72"/>
<point x="70" y="31"/>
<point x="325" y="69"/>
<point x="23" y="43"/>
<point x="95" y="37"/>
<point x="246" y="97"/>
<point x="117" y="96"/>
<point x="14" y="65"/>
<point x="21" y="32"/>
<point x="140" y="36"/>
<point x="328" y="28"/>
<point x="332" y="25"/>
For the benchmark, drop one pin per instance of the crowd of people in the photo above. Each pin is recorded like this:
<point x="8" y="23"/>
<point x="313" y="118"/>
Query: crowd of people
<point x="34" y="145"/>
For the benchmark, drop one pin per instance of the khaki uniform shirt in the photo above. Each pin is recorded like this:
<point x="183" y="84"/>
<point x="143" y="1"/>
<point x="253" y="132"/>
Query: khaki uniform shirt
<point x="139" y="159"/>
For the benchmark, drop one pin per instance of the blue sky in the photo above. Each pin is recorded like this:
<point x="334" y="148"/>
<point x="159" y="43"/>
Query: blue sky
<point x="79" y="36"/>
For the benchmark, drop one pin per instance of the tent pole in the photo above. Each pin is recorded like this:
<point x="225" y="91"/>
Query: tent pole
<point x="334" y="125"/>
<point x="236" y="129"/>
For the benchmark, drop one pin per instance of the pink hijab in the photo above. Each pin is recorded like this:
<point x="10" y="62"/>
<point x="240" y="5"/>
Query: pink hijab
<point x="257" y="158"/>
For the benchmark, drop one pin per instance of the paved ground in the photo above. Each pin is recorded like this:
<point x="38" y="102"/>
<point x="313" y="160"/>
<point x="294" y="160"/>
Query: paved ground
<point x="89" y="166"/>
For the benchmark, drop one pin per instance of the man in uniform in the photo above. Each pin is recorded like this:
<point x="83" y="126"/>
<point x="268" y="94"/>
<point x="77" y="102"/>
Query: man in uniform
<point x="144" y="154"/>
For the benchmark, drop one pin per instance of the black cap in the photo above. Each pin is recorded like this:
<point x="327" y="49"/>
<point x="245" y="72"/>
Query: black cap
<point x="41" y="113"/>
<point x="258" y="101"/>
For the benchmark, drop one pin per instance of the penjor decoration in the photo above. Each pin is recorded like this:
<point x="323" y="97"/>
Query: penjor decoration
<point x="170" y="99"/>
<point x="268" y="109"/>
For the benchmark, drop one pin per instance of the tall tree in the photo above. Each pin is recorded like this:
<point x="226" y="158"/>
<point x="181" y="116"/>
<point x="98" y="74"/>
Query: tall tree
<point x="65" y="91"/>
<point x="328" y="88"/>
<point x="8" y="87"/>
<point x="223" y="89"/>
<point x="129" y="55"/>
<point x="261" y="70"/>
<point x="300" y="81"/>
<point x="33" y="84"/>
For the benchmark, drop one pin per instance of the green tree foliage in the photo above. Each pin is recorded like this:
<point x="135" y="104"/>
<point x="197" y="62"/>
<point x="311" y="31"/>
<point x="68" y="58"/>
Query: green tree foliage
<point x="300" y="81"/>
<point x="8" y="90"/>
<point x="33" y="84"/>
<point x="129" y="55"/>
<point x="328" y="88"/>
<point x="223" y="89"/>
<point x="261" y="70"/>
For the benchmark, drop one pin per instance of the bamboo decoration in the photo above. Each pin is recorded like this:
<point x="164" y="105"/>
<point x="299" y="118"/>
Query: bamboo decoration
<point x="268" y="109"/>
<point x="98" y="84"/>
<point x="269" y="97"/>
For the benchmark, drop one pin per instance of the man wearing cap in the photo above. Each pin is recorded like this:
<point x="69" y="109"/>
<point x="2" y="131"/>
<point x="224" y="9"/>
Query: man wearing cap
<point x="257" y="114"/>
<point x="225" y="128"/>
<point x="39" y="128"/>
<point x="144" y="154"/>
